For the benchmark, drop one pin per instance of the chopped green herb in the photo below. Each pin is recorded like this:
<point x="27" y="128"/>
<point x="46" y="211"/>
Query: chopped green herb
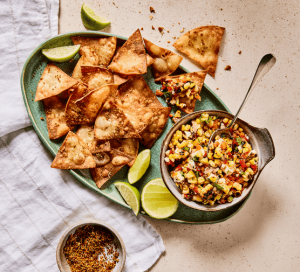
<point x="197" y="174"/>
<point x="167" y="94"/>
<point x="195" y="158"/>
<point x="186" y="148"/>
<point x="229" y="199"/>
<point x="208" y="120"/>
<point x="198" y="140"/>
<point x="218" y="186"/>
<point x="239" y="140"/>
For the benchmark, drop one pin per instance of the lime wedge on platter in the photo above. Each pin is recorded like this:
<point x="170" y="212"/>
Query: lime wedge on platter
<point x="140" y="166"/>
<point x="130" y="194"/>
<point x="61" y="54"/>
<point x="157" y="201"/>
<point x="91" y="20"/>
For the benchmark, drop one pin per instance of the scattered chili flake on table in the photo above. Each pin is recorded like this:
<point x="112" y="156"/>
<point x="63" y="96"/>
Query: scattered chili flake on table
<point x="152" y="9"/>
<point x="91" y="248"/>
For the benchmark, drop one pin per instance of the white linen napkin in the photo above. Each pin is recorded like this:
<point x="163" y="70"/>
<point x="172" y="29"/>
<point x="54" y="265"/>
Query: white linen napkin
<point x="38" y="203"/>
<point x="24" y="25"/>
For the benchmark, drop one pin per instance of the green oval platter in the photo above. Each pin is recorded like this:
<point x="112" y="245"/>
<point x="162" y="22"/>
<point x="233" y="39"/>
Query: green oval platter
<point x="31" y="73"/>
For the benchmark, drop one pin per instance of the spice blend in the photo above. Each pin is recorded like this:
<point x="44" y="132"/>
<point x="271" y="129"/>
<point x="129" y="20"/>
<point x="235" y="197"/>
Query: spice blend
<point x="91" y="248"/>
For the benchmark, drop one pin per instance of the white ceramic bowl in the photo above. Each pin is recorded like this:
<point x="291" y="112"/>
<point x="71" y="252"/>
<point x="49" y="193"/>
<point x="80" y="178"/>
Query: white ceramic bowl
<point x="260" y="139"/>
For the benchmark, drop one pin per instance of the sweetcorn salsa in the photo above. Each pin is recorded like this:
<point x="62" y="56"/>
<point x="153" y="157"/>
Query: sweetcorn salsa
<point x="214" y="175"/>
<point x="178" y="87"/>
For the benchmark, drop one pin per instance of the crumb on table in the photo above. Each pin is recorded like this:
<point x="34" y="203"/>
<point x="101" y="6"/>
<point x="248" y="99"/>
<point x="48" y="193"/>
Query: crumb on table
<point x="227" y="68"/>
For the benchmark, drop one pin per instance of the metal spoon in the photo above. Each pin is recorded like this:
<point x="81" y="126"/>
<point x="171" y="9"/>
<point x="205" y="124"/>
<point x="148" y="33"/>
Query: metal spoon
<point x="264" y="66"/>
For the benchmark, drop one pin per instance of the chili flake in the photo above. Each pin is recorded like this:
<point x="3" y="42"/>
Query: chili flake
<point x="91" y="248"/>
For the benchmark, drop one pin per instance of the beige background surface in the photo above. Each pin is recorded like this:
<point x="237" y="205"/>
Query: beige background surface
<point x="264" y="235"/>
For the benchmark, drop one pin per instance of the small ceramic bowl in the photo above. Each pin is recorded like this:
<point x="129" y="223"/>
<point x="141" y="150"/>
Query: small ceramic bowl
<point x="60" y="257"/>
<point x="260" y="140"/>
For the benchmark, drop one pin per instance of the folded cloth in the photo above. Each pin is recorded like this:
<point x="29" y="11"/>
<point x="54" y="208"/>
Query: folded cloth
<point x="24" y="25"/>
<point x="39" y="203"/>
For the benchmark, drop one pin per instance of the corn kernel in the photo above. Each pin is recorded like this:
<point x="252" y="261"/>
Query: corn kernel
<point x="201" y="180"/>
<point x="240" y="129"/>
<point x="235" y="127"/>
<point x="212" y="163"/>
<point x="197" y="198"/>
<point x="204" y="161"/>
<point x="210" y="155"/>
<point x="198" y="121"/>
<point x="225" y="120"/>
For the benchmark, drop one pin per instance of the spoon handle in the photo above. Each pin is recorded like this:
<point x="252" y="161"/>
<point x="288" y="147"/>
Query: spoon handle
<point x="264" y="66"/>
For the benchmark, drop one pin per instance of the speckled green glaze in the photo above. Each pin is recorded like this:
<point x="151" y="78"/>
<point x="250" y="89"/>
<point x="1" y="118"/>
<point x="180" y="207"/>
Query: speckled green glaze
<point x="32" y="71"/>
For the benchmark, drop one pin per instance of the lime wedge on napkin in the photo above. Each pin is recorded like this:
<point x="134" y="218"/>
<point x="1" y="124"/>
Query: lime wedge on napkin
<point x="130" y="194"/>
<point x="61" y="54"/>
<point x="157" y="201"/>
<point x="140" y="166"/>
<point x="91" y="20"/>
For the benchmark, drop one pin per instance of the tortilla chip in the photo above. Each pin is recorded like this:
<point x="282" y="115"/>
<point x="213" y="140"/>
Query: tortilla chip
<point x="139" y="118"/>
<point x="155" y="127"/>
<point x="120" y="79"/>
<point x="52" y="82"/>
<point x="99" y="49"/>
<point x="165" y="61"/>
<point x="202" y="44"/>
<point x="131" y="58"/>
<point x="102" y="173"/>
<point x="112" y="123"/>
<point x="55" y="116"/>
<point x="136" y="93"/>
<point x="84" y="105"/>
<point x="96" y="76"/>
<point x="196" y="77"/>
<point x="86" y="133"/>
<point x="127" y="146"/>
<point x="73" y="154"/>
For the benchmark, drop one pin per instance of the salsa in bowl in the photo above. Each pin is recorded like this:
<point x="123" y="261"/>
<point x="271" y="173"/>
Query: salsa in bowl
<point x="216" y="177"/>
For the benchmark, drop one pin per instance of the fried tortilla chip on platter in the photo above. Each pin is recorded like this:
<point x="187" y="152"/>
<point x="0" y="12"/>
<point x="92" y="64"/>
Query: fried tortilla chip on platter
<point x="202" y="44"/>
<point x="86" y="133"/>
<point x="96" y="76"/>
<point x="139" y="118"/>
<point x="136" y="93"/>
<point x="165" y="61"/>
<point x="131" y="58"/>
<point x="155" y="127"/>
<point x="197" y="78"/>
<point x="55" y="116"/>
<point x="84" y="105"/>
<point x="73" y="154"/>
<point x="127" y="146"/>
<point x="94" y="52"/>
<point x="112" y="123"/>
<point x="120" y="79"/>
<point x="52" y="82"/>
<point x="108" y="164"/>
<point x="100" y="49"/>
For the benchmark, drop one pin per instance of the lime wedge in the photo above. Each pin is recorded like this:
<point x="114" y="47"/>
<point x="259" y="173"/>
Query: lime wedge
<point x="91" y="20"/>
<point x="140" y="166"/>
<point x="61" y="54"/>
<point x="130" y="194"/>
<point x="157" y="201"/>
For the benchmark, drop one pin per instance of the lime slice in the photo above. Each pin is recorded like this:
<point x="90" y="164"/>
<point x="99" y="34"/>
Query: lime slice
<point x="91" y="20"/>
<point x="157" y="201"/>
<point x="61" y="54"/>
<point x="140" y="166"/>
<point x="130" y="194"/>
